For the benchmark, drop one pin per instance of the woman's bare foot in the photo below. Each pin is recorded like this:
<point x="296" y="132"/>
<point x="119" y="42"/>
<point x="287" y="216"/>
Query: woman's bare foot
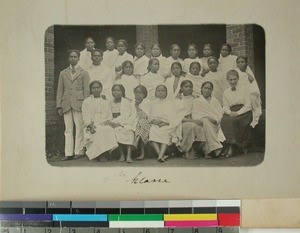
<point x="122" y="158"/>
<point x="129" y="160"/>
<point x="141" y="157"/>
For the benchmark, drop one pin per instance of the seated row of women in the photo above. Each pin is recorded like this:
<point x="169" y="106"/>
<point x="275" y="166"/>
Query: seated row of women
<point x="186" y="122"/>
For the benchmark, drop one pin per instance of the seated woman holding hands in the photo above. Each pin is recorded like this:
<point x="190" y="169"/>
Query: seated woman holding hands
<point x="98" y="136"/>
<point x="161" y="116"/>
<point x="236" y="121"/>
<point x="209" y="112"/>
<point x="122" y="122"/>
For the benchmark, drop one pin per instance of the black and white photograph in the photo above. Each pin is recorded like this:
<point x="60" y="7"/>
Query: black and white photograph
<point x="155" y="95"/>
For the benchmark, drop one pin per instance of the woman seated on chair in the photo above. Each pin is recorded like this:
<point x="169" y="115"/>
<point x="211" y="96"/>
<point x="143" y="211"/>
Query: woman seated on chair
<point x="236" y="121"/>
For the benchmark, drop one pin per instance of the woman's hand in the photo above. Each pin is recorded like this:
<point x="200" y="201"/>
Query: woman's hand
<point x="118" y="69"/>
<point x="212" y="120"/>
<point x="250" y="78"/>
<point x="60" y="112"/>
<point x="163" y="124"/>
<point x="178" y="96"/>
<point x="204" y="71"/>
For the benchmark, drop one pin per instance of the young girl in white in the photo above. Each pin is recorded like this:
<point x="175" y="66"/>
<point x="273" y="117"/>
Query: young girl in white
<point x="218" y="78"/>
<point x="122" y="47"/>
<point x="227" y="61"/>
<point x="152" y="79"/>
<point x="175" y="53"/>
<point x="85" y="55"/>
<point x="173" y="83"/>
<point x="192" y="52"/>
<point x="98" y="136"/>
<point x="207" y="53"/>
<point x="122" y="122"/>
<point x="110" y="54"/>
<point x="163" y="64"/>
<point x="195" y="77"/>
<point x="247" y="79"/>
<point x="127" y="79"/>
<point x="161" y="117"/>
<point x="140" y="62"/>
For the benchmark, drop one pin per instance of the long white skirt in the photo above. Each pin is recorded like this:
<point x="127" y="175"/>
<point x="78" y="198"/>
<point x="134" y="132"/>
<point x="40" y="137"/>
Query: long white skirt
<point x="124" y="136"/>
<point x="103" y="140"/>
<point x="160" y="134"/>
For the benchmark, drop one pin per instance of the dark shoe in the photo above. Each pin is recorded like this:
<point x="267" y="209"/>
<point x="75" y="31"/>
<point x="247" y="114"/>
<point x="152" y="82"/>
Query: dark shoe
<point x="66" y="158"/>
<point x="224" y="151"/>
<point x="230" y="152"/>
<point x="78" y="156"/>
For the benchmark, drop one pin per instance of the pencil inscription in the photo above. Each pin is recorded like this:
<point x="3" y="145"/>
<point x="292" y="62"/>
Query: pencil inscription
<point x="141" y="179"/>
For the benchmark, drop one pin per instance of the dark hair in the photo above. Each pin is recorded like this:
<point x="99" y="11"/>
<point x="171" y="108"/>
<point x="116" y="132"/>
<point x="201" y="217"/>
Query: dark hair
<point x="185" y="82"/>
<point x="150" y="62"/>
<point x="125" y="63"/>
<point x="243" y="57"/>
<point x="73" y="51"/>
<point x="141" y="44"/>
<point x="142" y="88"/>
<point x="214" y="58"/>
<point x="173" y="46"/>
<point x="208" y="45"/>
<point x="208" y="82"/>
<point x="232" y="72"/>
<point x="94" y="82"/>
<point x="97" y="50"/>
<point x="89" y="38"/>
<point x="110" y="38"/>
<point x="194" y="62"/>
<point x="124" y="42"/>
<point x="189" y="45"/>
<point x="228" y="47"/>
<point x="161" y="85"/>
<point x="120" y="86"/>
<point x="156" y="44"/>
<point x="177" y="63"/>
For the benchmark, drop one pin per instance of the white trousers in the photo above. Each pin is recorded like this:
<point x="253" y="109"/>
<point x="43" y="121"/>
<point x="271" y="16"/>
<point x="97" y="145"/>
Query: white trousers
<point x="70" y="118"/>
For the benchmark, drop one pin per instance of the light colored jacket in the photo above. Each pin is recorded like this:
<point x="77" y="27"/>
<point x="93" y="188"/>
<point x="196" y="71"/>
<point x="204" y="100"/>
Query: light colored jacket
<point x="72" y="92"/>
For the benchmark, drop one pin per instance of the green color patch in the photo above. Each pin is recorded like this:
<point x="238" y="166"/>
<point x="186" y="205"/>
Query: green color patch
<point x="135" y="217"/>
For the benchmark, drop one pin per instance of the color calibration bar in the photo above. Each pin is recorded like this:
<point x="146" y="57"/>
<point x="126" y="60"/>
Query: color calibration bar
<point x="121" y="215"/>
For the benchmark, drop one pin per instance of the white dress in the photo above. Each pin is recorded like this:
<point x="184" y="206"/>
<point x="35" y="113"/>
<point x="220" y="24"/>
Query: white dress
<point x="162" y="109"/>
<point x="204" y="62"/>
<point x="129" y="82"/>
<point x="163" y="65"/>
<point x="140" y="65"/>
<point x="169" y="83"/>
<point x="227" y="63"/>
<point x="220" y="83"/>
<point x="85" y="60"/>
<point x="151" y="81"/>
<point x="109" y="57"/>
<point x="121" y="58"/>
<point x="103" y="74"/>
<point x="254" y="93"/>
<point x="97" y="110"/>
<point x="125" y="132"/>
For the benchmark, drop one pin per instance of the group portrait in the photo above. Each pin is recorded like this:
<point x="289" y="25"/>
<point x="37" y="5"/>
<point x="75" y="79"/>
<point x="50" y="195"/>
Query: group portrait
<point x="155" y="95"/>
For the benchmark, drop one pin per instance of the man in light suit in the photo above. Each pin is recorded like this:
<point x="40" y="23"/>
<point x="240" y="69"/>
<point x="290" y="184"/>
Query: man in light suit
<point x="73" y="88"/>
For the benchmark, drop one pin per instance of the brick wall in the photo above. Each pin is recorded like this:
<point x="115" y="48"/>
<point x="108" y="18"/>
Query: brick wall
<point x="240" y="37"/>
<point x="147" y="35"/>
<point x="54" y="123"/>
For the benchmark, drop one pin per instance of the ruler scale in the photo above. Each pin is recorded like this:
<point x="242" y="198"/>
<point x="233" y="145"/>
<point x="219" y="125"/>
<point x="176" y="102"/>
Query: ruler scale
<point x="176" y="216"/>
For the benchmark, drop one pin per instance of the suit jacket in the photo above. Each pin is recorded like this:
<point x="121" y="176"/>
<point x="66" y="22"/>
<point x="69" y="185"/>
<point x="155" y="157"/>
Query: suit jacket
<point x="72" y="92"/>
